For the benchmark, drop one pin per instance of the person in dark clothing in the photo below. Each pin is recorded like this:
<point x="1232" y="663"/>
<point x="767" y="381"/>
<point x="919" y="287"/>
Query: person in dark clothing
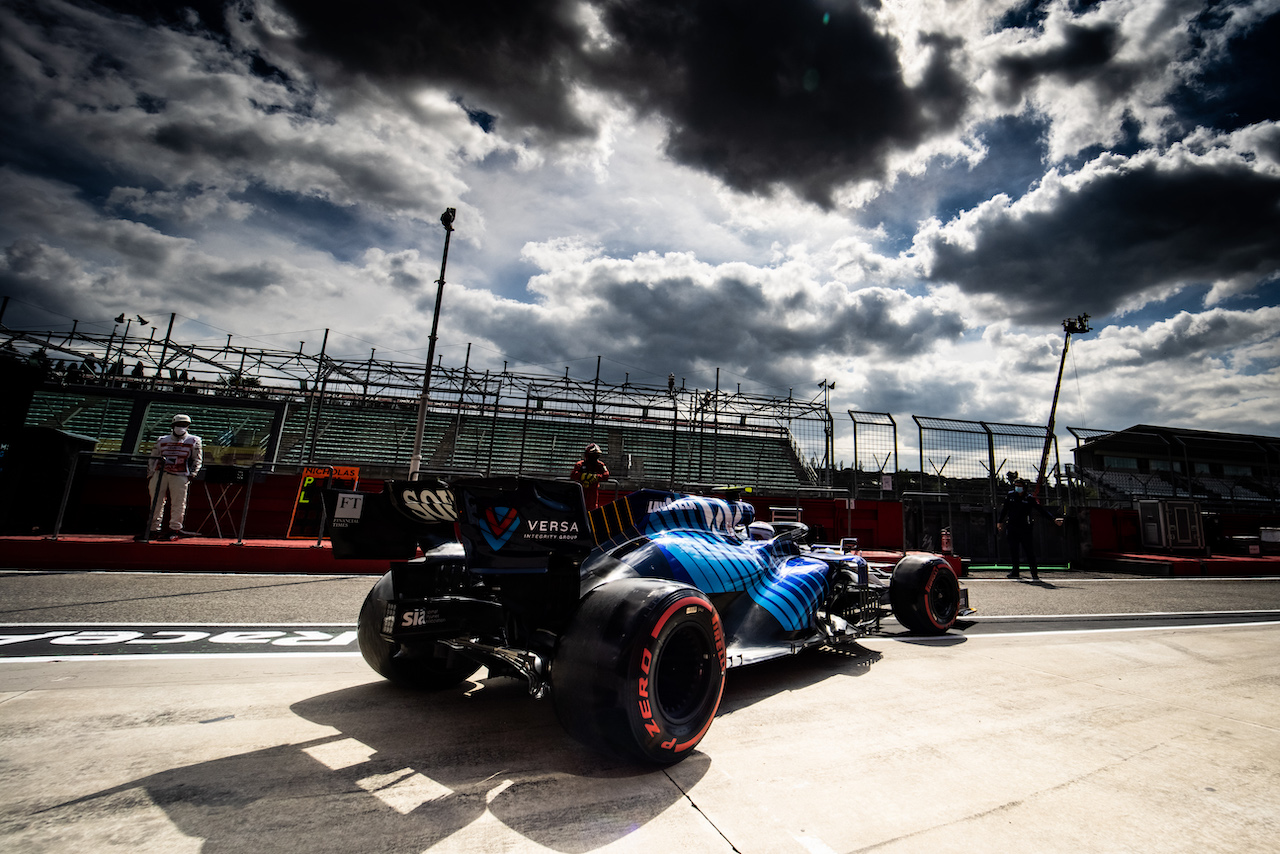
<point x="1016" y="519"/>
<point x="589" y="471"/>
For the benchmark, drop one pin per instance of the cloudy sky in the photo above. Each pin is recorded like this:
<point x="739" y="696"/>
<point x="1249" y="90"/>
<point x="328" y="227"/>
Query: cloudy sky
<point x="906" y="197"/>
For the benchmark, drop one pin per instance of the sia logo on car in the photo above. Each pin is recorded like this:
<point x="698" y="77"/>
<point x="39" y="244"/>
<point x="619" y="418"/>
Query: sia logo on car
<point x="498" y="525"/>
<point x="421" y="617"/>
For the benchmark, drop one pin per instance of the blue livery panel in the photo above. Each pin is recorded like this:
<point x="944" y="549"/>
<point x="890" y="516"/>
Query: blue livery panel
<point x="696" y="539"/>
<point x="789" y="589"/>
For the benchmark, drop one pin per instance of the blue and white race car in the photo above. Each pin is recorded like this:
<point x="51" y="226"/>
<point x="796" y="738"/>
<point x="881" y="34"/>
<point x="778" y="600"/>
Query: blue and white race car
<point x="628" y="616"/>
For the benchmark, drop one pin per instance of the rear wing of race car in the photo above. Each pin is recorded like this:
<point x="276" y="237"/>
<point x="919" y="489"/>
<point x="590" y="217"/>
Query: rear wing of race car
<point x="513" y="524"/>
<point x="392" y="524"/>
<point x="506" y="524"/>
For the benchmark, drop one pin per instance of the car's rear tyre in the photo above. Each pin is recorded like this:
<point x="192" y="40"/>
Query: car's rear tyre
<point x="924" y="594"/>
<point x="640" y="670"/>
<point x="419" y="669"/>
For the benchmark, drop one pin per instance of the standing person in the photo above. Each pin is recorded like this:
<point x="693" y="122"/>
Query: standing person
<point x="589" y="471"/>
<point x="175" y="460"/>
<point x="1019" y="508"/>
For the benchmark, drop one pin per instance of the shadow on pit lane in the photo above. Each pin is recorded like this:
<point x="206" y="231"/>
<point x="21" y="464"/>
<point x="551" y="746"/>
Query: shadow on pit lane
<point x="746" y="686"/>
<point x="405" y="770"/>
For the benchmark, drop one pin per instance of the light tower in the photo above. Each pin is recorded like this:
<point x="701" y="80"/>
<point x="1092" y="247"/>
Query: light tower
<point x="415" y="460"/>
<point x="1072" y="325"/>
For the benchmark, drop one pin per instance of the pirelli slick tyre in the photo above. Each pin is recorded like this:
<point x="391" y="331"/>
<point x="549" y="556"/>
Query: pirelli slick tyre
<point x="418" y="669"/>
<point x="640" y="670"/>
<point x="924" y="594"/>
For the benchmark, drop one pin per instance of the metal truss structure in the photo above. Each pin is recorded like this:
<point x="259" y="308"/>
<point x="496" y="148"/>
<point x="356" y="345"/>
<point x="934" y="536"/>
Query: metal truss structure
<point x="700" y="434"/>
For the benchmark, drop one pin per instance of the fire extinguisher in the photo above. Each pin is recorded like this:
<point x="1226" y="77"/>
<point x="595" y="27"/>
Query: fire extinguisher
<point x="946" y="541"/>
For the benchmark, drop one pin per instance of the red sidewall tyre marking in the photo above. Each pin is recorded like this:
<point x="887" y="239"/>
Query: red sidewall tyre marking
<point x="650" y="718"/>
<point x="928" y="598"/>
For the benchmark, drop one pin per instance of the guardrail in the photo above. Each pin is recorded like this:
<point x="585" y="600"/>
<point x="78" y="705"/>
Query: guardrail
<point x="251" y="475"/>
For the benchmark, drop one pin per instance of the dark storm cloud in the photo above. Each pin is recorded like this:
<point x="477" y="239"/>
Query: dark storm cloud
<point x="34" y="275"/>
<point x="756" y="92"/>
<point x="1124" y="233"/>
<point x="764" y="92"/>
<point x="729" y="317"/>
<point x="1083" y="53"/>
<point x="734" y="323"/>
<point x="1239" y="89"/>
<point x="400" y="275"/>
<point x="154" y="118"/>
<point x="516" y="60"/>
<point x="206" y="14"/>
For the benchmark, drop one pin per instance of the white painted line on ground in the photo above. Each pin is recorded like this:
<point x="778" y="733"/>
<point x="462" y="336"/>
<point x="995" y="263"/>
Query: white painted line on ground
<point x="176" y="656"/>
<point x="404" y="790"/>
<point x="952" y="636"/>
<point x="814" y="845"/>
<point x="1069" y="576"/>
<point x="83" y="625"/>
<point x="984" y="618"/>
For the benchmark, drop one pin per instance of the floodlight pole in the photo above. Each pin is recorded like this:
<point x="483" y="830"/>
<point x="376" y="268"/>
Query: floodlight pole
<point x="1071" y="325"/>
<point x="415" y="460"/>
<point x="164" y="351"/>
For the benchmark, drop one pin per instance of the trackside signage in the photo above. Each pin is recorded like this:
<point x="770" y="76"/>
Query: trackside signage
<point x="304" y="522"/>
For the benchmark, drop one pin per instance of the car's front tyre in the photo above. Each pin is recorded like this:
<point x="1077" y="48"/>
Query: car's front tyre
<point x="924" y="594"/>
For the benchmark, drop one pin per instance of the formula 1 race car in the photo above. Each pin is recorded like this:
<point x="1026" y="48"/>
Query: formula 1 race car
<point x="628" y="615"/>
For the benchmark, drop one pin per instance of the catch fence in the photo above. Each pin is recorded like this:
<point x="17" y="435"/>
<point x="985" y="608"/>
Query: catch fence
<point x="968" y="460"/>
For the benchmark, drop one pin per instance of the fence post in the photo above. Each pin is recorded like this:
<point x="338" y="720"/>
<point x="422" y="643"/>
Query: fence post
<point x="324" y="514"/>
<point x="155" y="496"/>
<point x="66" y="492"/>
<point x="244" y="512"/>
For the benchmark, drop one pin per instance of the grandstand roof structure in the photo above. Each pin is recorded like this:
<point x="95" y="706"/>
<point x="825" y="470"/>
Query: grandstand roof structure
<point x="292" y="407"/>
<point x="1146" y="461"/>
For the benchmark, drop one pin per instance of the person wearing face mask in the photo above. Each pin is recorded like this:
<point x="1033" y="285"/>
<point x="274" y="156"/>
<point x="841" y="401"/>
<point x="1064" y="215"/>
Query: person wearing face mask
<point x="1016" y="519"/>
<point x="175" y="460"/>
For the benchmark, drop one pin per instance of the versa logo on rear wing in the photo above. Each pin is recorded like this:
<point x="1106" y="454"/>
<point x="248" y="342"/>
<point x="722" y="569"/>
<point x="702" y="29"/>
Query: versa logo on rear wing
<point x="510" y="524"/>
<point x="498" y="525"/>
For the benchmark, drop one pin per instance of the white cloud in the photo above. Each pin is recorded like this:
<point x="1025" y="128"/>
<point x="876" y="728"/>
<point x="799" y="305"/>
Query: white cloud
<point x="255" y="183"/>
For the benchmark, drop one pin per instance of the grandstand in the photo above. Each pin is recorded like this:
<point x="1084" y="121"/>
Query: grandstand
<point x="277" y="412"/>
<point x="281" y="408"/>
<point x="1219" y="470"/>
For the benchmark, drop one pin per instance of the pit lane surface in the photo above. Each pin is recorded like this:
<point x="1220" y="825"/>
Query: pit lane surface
<point x="1162" y="739"/>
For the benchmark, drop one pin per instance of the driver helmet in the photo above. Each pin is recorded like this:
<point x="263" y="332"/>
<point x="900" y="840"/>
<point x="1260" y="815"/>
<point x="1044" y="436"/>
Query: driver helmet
<point x="760" y="531"/>
<point x="592" y="452"/>
<point x="182" y="419"/>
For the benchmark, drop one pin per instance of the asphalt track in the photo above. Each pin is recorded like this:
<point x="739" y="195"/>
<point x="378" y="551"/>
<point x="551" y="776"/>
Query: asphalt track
<point x="170" y="713"/>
